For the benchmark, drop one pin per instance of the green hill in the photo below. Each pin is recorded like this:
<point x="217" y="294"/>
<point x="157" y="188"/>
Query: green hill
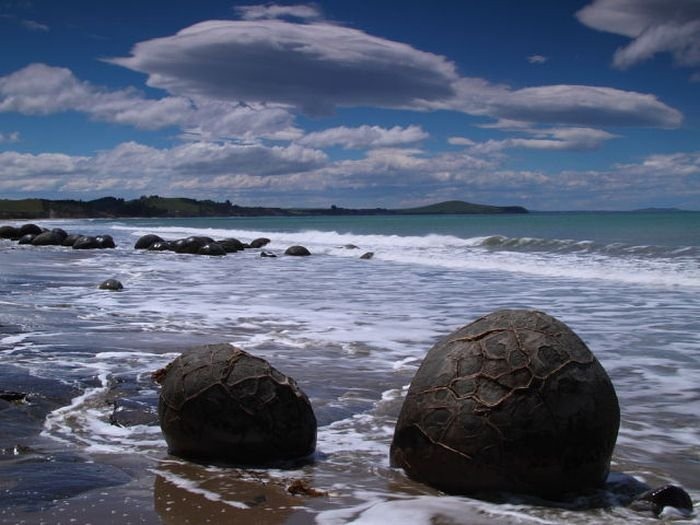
<point x="460" y="207"/>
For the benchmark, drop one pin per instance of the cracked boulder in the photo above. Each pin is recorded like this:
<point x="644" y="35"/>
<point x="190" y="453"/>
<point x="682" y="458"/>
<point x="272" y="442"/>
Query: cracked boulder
<point x="221" y="404"/>
<point x="513" y="402"/>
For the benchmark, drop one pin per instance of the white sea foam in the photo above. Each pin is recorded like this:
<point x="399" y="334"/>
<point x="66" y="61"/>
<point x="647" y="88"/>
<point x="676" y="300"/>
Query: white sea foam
<point x="643" y="265"/>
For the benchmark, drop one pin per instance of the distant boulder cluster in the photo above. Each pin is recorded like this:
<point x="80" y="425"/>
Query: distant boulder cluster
<point x="38" y="236"/>
<point x="201" y="245"/>
<point x="197" y="245"/>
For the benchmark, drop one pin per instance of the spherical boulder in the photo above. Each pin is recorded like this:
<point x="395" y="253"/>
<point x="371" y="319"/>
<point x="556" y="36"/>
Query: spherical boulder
<point x="86" y="242"/>
<point x="27" y="238"/>
<point x="70" y="239"/>
<point x="105" y="241"/>
<point x="9" y="232"/>
<point x="52" y="238"/>
<point x="221" y="404"/>
<point x="145" y="241"/>
<point x="161" y="246"/>
<point x="260" y="242"/>
<point x="112" y="285"/>
<point x="213" y="249"/>
<point x="29" y="228"/>
<point x="189" y="245"/>
<point x="299" y="251"/>
<point x="514" y="402"/>
<point x="231" y="245"/>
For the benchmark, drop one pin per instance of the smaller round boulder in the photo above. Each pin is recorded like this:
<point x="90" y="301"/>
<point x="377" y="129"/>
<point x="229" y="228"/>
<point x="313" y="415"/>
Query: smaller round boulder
<point x="105" y="241"/>
<point x="52" y="238"/>
<point x="161" y="246"/>
<point x="213" y="249"/>
<point x="145" y="241"/>
<point x="9" y="232"/>
<point x="231" y="245"/>
<point x="27" y="238"/>
<point x="86" y="242"/>
<point x="112" y="285"/>
<point x="298" y="251"/>
<point x="70" y="239"/>
<point x="259" y="243"/>
<point x="189" y="245"/>
<point x="219" y="403"/>
<point x="367" y="256"/>
<point x="29" y="228"/>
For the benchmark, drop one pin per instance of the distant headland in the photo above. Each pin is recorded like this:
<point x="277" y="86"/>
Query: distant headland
<point x="155" y="206"/>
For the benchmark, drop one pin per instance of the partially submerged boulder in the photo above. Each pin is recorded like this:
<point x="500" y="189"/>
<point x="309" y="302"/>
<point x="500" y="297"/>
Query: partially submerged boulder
<point x="29" y="228"/>
<point x="86" y="242"/>
<point x="112" y="285"/>
<point x="515" y="402"/>
<point x="51" y="238"/>
<point x="260" y="242"/>
<point x="299" y="251"/>
<point x="146" y="241"/>
<point x="9" y="232"/>
<point x="212" y="249"/>
<point x="105" y="241"/>
<point x="221" y="404"/>
<point x="231" y="245"/>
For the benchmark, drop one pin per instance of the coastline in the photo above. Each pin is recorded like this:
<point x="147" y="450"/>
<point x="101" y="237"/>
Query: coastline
<point x="162" y="207"/>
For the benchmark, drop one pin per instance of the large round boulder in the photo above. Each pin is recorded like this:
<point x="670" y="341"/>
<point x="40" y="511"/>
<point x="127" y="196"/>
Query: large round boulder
<point x="219" y="403"/>
<point x="515" y="402"/>
<point x="145" y="241"/>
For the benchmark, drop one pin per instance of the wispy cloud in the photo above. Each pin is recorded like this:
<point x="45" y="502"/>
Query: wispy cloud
<point x="31" y="25"/>
<point x="655" y="26"/>
<point x="275" y="11"/>
<point x="11" y="137"/>
<point x="537" y="59"/>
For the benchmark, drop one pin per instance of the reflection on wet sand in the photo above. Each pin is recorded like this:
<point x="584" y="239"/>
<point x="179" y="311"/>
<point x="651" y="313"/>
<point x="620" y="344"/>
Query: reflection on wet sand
<point x="187" y="493"/>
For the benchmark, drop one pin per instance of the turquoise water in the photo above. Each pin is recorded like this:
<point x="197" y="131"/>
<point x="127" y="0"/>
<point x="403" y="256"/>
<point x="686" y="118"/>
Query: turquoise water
<point x="662" y="229"/>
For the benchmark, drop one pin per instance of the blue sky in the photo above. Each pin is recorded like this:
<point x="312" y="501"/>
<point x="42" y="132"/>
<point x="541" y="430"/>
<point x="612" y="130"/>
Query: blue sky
<point x="553" y="105"/>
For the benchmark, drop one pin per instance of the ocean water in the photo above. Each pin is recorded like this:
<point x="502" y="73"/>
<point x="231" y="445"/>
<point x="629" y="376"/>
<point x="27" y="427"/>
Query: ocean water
<point x="352" y="333"/>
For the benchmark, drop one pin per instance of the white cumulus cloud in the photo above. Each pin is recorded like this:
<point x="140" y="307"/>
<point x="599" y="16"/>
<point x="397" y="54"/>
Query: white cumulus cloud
<point x="364" y="137"/>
